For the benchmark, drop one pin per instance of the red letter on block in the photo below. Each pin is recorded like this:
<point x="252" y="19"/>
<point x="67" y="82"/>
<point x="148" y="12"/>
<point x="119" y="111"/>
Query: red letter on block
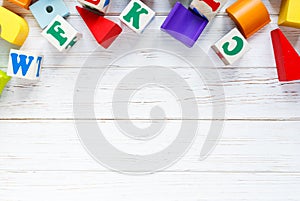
<point x="95" y="2"/>
<point x="287" y="59"/>
<point x="214" y="5"/>
<point x="104" y="30"/>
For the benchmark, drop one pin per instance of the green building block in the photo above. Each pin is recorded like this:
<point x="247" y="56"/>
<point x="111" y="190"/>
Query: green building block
<point x="3" y="80"/>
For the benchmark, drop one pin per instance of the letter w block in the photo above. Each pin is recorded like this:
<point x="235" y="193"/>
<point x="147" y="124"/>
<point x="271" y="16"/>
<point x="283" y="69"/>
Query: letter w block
<point x="25" y="65"/>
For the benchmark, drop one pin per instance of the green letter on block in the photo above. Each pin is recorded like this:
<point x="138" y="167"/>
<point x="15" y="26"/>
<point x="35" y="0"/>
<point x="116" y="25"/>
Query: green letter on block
<point x="237" y="49"/>
<point x="135" y="13"/>
<point x="56" y="32"/>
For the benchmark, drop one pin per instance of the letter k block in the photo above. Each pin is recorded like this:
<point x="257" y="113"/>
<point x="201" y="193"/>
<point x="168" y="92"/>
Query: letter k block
<point x="137" y="15"/>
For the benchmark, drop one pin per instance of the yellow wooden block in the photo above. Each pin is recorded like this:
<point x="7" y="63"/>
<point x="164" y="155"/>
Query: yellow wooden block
<point x="14" y="28"/>
<point x="289" y="13"/>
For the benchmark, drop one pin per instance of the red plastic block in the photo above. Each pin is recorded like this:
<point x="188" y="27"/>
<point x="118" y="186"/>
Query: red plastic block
<point x="104" y="30"/>
<point x="287" y="58"/>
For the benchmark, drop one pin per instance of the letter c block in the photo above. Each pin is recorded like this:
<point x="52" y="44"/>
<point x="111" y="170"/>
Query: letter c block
<point x="231" y="47"/>
<point x="249" y="16"/>
<point x="13" y="28"/>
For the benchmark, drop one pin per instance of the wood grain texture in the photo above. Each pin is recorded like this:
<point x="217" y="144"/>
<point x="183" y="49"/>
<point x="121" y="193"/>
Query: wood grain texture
<point x="257" y="158"/>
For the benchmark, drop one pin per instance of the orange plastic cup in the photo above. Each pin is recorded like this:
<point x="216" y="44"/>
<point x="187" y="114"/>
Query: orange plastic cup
<point x="249" y="16"/>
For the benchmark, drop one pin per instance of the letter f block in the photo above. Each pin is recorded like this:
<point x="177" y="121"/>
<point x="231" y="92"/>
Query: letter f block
<point x="137" y="15"/>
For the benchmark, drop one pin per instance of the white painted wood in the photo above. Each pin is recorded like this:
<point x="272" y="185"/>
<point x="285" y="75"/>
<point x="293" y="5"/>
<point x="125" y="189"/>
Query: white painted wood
<point x="245" y="146"/>
<point x="257" y="158"/>
<point x="251" y="93"/>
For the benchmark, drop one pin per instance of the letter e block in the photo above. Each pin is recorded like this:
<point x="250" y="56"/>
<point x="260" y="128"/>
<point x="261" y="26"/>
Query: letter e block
<point x="137" y="15"/>
<point x="231" y="47"/>
<point x="25" y="65"/>
<point x="61" y="34"/>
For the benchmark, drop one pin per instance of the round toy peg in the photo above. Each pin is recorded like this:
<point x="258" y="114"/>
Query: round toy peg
<point x="4" y="78"/>
<point x="249" y="16"/>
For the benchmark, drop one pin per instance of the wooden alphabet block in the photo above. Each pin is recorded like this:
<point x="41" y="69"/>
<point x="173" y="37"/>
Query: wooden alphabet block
<point x="61" y="34"/>
<point x="4" y="79"/>
<point x="103" y="30"/>
<point x="184" y="25"/>
<point x="137" y="15"/>
<point x="45" y="10"/>
<point x="286" y="57"/>
<point x="249" y="16"/>
<point x="23" y="64"/>
<point x="207" y="8"/>
<point x="289" y="13"/>
<point x="231" y="47"/>
<point x="13" y="28"/>
<point x="97" y="5"/>
<point x="22" y="3"/>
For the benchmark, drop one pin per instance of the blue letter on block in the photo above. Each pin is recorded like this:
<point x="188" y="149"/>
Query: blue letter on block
<point x="38" y="61"/>
<point x="21" y="63"/>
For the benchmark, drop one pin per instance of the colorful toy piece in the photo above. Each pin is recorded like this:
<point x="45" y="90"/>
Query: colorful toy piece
<point x="104" y="30"/>
<point x="13" y="28"/>
<point x="231" y="47"/>
<point x="137" y="15"/>
<point x="287" y="59"/>
<point x="96" y="5"/>
<point x="61" y="34"/>
<point x="249" y="16"/>
<point x="184" y="25"/>
<point x="45" y="10"/>
<point x="207" y="8"/>
<point x="25" y="65"/>
<point x="289" y="13"/>
<point x="4" y="79"/>
<point x="22" y="3"/>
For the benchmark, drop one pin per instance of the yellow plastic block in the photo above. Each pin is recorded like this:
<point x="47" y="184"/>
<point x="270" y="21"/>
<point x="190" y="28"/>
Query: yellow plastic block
<point x="22" y="3"/>
<point x="290" y="13"/>
<point x="14" y="28"/>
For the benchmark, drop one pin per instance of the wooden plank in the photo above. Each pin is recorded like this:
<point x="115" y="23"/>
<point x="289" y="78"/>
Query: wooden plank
<point x="250" y="93"/>
<point x="78" y="186"/>
<point x="245" y="146"/>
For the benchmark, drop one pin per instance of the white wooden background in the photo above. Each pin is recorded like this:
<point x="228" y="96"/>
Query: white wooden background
<point x="257" y="158"/>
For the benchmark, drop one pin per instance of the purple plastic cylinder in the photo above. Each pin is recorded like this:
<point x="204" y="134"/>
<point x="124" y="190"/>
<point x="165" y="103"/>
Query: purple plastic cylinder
<point x="184" y="25"/>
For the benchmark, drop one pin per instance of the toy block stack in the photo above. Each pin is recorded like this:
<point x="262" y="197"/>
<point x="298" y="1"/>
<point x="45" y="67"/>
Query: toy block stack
<point x="186" y="25"/>
<point x="104" y="30"/>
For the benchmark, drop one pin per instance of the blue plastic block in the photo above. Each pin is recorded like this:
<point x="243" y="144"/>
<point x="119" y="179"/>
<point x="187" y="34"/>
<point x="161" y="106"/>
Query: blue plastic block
<point x="184" y="25"/>
<point x="45" y="11"/>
